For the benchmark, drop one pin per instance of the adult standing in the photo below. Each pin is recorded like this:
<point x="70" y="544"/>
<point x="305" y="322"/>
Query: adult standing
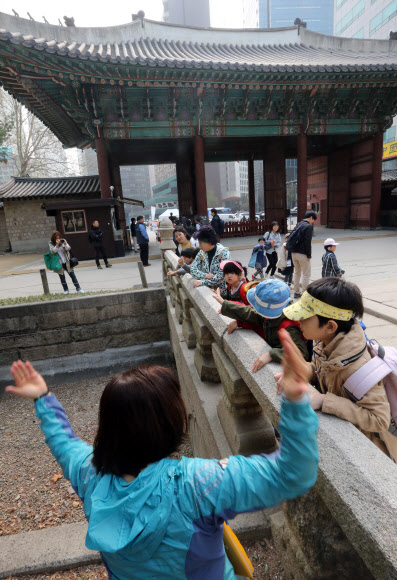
<point x="217" y="223"/>
<point x="96" y="238"/>
<point x="143" y="240"/>
<point x="300" y="245"/>
<point x="273" y="241"/>
<point x="59" y="245"/>
<point x="133" y="234"/>
<point x="206" y="266"/>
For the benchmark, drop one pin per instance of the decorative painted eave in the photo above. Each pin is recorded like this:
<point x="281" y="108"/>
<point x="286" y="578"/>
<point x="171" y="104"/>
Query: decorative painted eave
<point x="48" y="187"/>
<point x="153" y="44"/>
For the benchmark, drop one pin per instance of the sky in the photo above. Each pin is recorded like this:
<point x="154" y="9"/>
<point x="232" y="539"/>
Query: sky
<point x="224" y="13"/>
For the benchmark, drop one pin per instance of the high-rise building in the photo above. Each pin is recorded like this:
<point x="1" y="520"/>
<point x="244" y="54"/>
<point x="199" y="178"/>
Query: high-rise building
<point x="187" y="12"/>
<point x="163" y="172"/>
<point x="373" y="19"/>
<point x="318" y="14"/>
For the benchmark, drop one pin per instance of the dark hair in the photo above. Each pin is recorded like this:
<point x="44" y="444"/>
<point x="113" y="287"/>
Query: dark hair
<point x="261" y="239"/>
<point x="326" y="248"/>
<point x="215" y="211"/>
<point x="207" y="234"/>
<point x="54" y="236"/>
<point x="197" y="219"/>
<point x="231" y="268"/>
<point x="341" y="294"/>
<point x="132" y="219"/>
<point x="310" y="213"/>
<point x="183" y="231"/>
<point x="93" y="221"/>
<point x="190" y="252"/>
<point x="142" y="419"/>
<point x="274" y="223"/>
<point x="139" y="218"/>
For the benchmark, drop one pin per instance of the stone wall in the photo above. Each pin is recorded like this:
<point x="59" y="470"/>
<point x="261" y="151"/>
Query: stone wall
<point x="29" y="228"/>
<point x="345" y="527"/>
<point x="4" y="240"/>
<point x="63" y="330"/>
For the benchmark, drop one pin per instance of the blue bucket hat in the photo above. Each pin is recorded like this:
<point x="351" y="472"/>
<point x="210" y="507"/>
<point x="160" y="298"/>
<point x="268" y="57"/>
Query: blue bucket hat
<point x="269" y="298"/>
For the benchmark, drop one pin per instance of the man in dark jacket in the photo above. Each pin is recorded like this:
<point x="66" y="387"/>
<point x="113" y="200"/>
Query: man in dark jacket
<point x="216" y="223"/>
<point x="300" y="246"/>
<point x="143" y="240"/>
<point x="96" y="238"/>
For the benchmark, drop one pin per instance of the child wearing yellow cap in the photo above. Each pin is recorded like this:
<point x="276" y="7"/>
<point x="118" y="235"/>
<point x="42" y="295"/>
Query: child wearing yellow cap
<point x="328" y="313"/>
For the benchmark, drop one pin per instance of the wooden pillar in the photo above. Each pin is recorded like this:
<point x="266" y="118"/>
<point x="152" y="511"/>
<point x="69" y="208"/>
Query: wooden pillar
<point x="118" y="192"/>
<point x="274" y="185"/>
<point x="251" y="189"/>
<point x="185" y="181"/>
<point x="103" y="165"/>
<point x="199" y="171"/>
<point x="376" y="179"/>
<point x="302" y="176"/>
<point x="339" y="163"/>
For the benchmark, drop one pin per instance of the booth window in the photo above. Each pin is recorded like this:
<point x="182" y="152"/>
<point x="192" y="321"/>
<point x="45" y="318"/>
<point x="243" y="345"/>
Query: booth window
<point x="74" y="222"/>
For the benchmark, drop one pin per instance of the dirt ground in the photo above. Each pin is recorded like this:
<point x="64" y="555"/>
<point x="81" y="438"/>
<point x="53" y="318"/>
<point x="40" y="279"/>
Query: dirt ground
<point x="36" y="496"/>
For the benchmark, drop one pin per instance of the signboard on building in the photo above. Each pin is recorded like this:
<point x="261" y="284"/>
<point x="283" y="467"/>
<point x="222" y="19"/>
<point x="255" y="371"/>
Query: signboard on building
<point x="389" y="150"/>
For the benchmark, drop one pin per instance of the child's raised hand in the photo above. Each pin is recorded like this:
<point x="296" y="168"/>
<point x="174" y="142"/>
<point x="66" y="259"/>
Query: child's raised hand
<point x="29" y="384"/>
<point x="295" y="368"/>
<point x="181" y="261"/>
<point x="278" y="377"/>
<point x="217" y="296"/>
<point x="232" y="326"/>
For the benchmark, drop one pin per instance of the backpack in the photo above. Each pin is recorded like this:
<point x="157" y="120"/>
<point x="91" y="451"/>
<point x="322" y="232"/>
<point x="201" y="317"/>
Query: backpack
<point x="221" y="227"/>
<point x="294" y="238"/>
<point x="381" y="367"/>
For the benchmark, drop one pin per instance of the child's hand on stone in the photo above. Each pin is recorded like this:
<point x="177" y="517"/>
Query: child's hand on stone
<point x="171" y="273"/>
<point x="197" y="283"/>
<point x="316" y="401"/>
<point x="261" y="361"/>
<point x="232" y="326"/>
<point x="217" y="296"/>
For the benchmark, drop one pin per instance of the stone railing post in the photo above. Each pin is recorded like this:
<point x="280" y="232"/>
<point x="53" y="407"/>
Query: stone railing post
<point x="247" y="428"/>
<point x="167" y="243"/>
<point x="203" y="357"/>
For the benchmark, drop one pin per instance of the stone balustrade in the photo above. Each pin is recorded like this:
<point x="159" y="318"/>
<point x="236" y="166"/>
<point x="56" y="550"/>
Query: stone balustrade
<point x="346" y="526"/>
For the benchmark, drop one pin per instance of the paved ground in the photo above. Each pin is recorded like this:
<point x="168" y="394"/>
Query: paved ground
<point x="369" y="258"/>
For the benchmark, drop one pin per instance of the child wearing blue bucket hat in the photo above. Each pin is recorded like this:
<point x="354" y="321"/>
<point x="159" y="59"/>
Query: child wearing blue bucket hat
<point x="268" y="299"/>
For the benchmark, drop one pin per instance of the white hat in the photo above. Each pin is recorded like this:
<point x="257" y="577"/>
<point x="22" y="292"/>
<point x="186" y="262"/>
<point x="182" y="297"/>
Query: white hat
<point x="330" y="242"/>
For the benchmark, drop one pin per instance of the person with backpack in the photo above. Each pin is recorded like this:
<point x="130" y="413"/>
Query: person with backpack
<point x="154" y="516"/>
<point x="267" y="299"/>
<point x="235" y="278"/>
<point x="258" y="259"/>
<point x="273" y="241"/>
<point x="284" y="264"/>
<point x="217" y="223"/>
<point x="300" y="246"/>
<point x="206" y="265"/>
<point x="328" y="314"/>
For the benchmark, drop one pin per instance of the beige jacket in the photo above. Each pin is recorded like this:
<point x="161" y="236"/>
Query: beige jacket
<point x="337" y="361"/>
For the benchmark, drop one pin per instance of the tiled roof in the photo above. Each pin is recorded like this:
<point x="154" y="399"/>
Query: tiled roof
<point x="153" y="44"/>
<point x="389" y="175"/>
<point x="30" y="187"/>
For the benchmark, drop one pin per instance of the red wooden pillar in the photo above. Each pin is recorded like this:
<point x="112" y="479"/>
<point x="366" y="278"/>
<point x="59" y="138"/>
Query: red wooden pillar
<point x="118" y="192"/>
<point x="376" y="179"/>
<point x="274" y="185"/>
<point x="103" y="165"/>
<point x="251" y="189"/>
<point x="199" y="167"/>
<point x="185" y="182"/>
<point x="302" y="176"/>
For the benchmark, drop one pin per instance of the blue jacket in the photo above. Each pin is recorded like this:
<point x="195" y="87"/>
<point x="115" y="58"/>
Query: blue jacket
<point x="167" y="523"/>
<point x="141" y="234"/>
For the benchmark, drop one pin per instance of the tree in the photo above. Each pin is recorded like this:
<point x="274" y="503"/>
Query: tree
<point x="5" y="130"/>
<point x="36" y="150"/>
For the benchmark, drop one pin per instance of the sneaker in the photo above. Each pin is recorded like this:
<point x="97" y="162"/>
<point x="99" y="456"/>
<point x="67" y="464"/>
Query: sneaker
<point x="66" y="291"/>
<point x="80" y="291"/>
<point x="99" y="267"/>
<point x="297" y="295"/>
<point x="109" y="265"/>
<point x="146" y="265"/>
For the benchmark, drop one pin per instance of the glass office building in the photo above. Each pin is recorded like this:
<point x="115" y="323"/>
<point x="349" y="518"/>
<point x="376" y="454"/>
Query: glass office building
<point x="318" y="14"/>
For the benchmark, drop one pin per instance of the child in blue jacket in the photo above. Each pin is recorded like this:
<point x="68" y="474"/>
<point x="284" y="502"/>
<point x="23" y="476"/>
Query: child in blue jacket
<point x="151" y="516"/>
<point x="260" y="260"/>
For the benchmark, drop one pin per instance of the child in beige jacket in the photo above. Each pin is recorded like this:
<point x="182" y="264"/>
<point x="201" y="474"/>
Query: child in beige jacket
<point x="328" y="313"/>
